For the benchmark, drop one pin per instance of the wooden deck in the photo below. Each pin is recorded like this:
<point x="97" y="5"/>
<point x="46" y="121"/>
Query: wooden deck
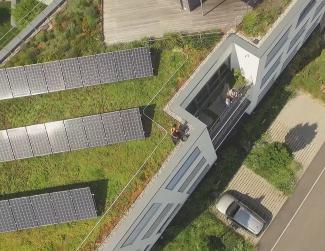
<point x="130" y="20"/>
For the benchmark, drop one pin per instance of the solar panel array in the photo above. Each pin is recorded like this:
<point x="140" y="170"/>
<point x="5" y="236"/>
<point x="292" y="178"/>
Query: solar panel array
<point x="71" y="134"/>
<point x="46" y="209"/>
<point x="75" y="73"/>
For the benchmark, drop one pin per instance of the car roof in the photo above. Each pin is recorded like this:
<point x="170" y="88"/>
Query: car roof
<point x="249" y="220"/>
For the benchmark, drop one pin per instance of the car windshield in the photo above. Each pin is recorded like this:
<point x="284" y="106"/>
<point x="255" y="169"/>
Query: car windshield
<point x="232" y="209"/>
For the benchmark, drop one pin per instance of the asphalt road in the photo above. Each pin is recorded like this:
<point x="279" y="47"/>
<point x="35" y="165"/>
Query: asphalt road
<point x="300" y="224"/>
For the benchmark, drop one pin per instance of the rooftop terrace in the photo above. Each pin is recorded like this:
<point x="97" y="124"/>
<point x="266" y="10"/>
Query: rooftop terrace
<point x="107" y="169"/>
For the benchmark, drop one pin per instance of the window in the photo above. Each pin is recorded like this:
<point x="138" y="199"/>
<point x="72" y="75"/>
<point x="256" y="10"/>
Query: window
<point x="290" y="57"/>
<point x="305" y="11"/>
<point x="319" y="8"/>
<point x="173" y="183"/>
<point x="157" y="222"/>
<point x="198" y="180"/>
<point x="277" y="47"/>
<point x="270" y="71"/>
<point x="297" y="36"/>
<point x="142" y="224"/>
<point x="192" y="175"/>
<point x="311" y="29"/>
<point x="171" y="216"/>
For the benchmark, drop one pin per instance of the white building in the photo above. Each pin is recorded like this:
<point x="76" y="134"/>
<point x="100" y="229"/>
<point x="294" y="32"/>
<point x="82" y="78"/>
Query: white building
<point x="261" y="64"/>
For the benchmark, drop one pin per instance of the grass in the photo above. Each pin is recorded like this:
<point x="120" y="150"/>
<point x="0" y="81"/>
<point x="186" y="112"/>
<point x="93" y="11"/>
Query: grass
<point x="115" y="163"/>
<point x="257" y="21"/>
<point x="194" y="226"/>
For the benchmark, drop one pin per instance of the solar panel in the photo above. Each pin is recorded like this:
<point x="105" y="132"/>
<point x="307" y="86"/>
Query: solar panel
<point x="20" y="143"/>
<point x="57" y="136"/>
<point x="89" y="70"/>
<point x="113" y="127"/>
<point x="46" y="209"/>
<point x="125" y="65"/>
<point x="39" y="140"/>
<point x="18" y="81"/>
<point x="142" y="62"/>
<point x="71" y="73"/>
<point x="53" y="76"/>
<point x="6" y="153"/>
<point x="76" y="133"/>
<point x="131" y="120"/>
<point x="72" y="134"/>
<point x="23" y="212"/>
<point x="107" y="68"/>
<point x="7" y="221"/>
<point x="5" y="91"/>
<point x="36" y="79"/>
<point x="83" y="203"/>
<point x="43" y="209"/>
<point x="75" y="72"/>
<point x="95" y="130"/>
<point x="63" y="206"/>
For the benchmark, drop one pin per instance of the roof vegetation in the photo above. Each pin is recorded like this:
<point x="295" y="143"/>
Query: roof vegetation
<point x="77" y="32"/>
<point x="258" y="20"/>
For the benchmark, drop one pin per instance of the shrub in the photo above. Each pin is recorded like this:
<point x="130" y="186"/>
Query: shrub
<point x="275" y="162"/>
<point x="240" y="80"/>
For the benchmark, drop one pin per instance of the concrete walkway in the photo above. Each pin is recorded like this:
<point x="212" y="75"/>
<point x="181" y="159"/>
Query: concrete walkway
<point x="130" y="20"/>
<point x="301" y="124"/>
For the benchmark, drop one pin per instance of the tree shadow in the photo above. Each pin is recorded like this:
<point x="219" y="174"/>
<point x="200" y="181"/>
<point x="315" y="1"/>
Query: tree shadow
<point x="238" y="144"/>
<point x="147" y="115"/>
<point x="253" y="203"/>
<point x="300" y="136"/>
<point x="98" y="188"/>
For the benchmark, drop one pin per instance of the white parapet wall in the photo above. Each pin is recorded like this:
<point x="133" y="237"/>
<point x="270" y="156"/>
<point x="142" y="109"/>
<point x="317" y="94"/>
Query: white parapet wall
<point x="261" y="64"/>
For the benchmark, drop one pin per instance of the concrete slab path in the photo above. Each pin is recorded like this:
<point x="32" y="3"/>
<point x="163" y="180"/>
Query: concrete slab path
<point x="130" y="20"/>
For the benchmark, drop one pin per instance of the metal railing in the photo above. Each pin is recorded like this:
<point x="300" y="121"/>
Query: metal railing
<point x="229" y="118"/>
<point x="25" y="33"/>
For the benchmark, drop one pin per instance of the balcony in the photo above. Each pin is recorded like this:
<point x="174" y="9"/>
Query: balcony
<point x="221" y="128"/>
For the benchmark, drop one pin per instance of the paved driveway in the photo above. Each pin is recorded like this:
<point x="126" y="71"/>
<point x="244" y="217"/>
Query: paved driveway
<point x="130" y="20"/>
<point x="300" y="224"/>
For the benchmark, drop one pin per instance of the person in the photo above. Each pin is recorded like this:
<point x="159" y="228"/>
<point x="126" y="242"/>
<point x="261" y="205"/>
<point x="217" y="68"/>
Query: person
<point x="175" y="133"/>
<point x="232" y="93"/>
<point x="228" y="101"/>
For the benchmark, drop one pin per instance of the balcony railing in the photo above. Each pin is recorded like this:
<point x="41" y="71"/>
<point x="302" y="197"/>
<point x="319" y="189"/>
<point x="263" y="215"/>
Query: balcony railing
<point x="227" y="121"/>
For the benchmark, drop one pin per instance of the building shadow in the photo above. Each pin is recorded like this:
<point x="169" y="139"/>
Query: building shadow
<point x="252" y="3"/>
<point x="155" y="59"/>
<point x="300" y="136"/>
<point x="147" y="115"/>
<point x="211" y="7"/>
<point x="238" y="144"/>
<point x="98" y="188"/>
<point x="215" y="243"/>
<point x="253" y="203"/>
